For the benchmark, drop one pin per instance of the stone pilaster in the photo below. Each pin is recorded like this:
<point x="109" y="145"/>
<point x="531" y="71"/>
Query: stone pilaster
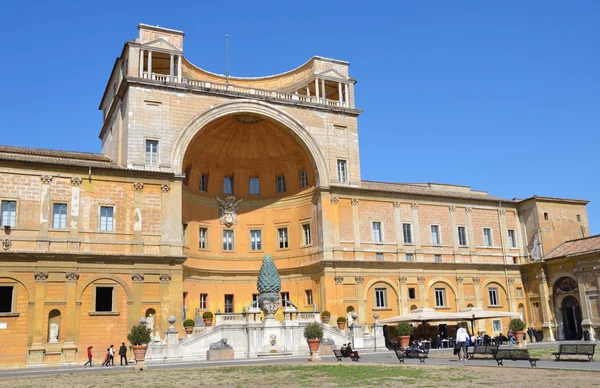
<point x="512" y="301"/>
<point x="36" y="351"/>
<point x="454" y="227"/>
<point x="136" y="308"/>
<point x="546" y="312"/>
<point x="503" y="234"/>
<point x="398" y="226"/>
<point x="138" y="246"/>
<point x="69" y="349"/>
<point x="361" y="299"/>
<point x="171" y="227"/>
<point x="356" y="225"/>
<point x="74" y="244"/>
<point x="335" y="210"/>
<point x="403" y="305"/>
<point x="416" y="231"/>
<point x="43" y="242"/>
<point x="586" y="322"/>
<point x="461" y="292"/>
<point x="477" y="288"/>
<point x="422" y="294"/>
<point x="471" y="234"/>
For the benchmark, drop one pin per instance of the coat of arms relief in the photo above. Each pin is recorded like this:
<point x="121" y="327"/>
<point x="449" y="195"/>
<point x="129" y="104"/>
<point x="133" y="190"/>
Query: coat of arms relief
<point x="228" y="209"/>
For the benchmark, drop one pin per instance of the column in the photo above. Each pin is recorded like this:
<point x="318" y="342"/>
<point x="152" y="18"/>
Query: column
<point x="346" y="96"/>
<point x="461" y="293"/>
<point x="171" y="68"/>
<point x="141" y="68"/>
<point x="477" y="288"/>
<point x="398" y="226"/>
<point x="138" y="245"/>
<point x="149" y="64"/>
<point x="69" y="349"/>
<point x="36" y="351"/>
<point x="360" y="296"/>
<point x="73" y="244"/>
<point x="43" y="241"/>
<point x="454" y="227"/>
<point x="503" y="234"/>
<point x="403" y="305"/>
<point x="317" y="89"/>
<point x="356" y="224"/>
<point x="179" y="69"/>
<point x="341" y="99"/>
<point x="416" y="231"/>
<point x="422" y="294"/>
<point x="335" y="210"/>
<point x="471" y="241"/>
<point x="323" y="91"/>
<point x="586" y="322"/>
<point x="546" y="312"/>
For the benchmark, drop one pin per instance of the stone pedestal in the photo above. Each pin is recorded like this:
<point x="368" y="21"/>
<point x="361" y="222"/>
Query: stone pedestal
<point x="326" y="350"/>
<point x="314" y="357"/>
<point x="357" y="336"/>
<point x="548" y="332"/>
<point x="218" y="355"/>
<point x="69" y="353"/>
<point x="379" y="338"/>
<point x="36" y="355"/>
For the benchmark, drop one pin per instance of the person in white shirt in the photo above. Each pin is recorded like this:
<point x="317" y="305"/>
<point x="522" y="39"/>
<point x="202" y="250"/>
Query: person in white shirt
<point x="461" y="339"/>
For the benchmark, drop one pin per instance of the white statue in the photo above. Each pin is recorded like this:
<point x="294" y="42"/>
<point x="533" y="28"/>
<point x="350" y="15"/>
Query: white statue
<point x="350" y="319"/>
<point x="150" y="323"/>
<point x="53" y="333"/>
<point x="157" y="336"/>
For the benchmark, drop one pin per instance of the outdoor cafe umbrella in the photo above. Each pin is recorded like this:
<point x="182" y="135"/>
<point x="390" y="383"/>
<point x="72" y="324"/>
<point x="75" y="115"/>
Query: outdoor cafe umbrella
<point x="422" y="315"/>
<point x="472" y="314"/>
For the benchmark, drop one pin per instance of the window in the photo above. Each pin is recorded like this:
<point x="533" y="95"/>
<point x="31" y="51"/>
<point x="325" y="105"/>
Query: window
<point x="6" y="299"/>
<point x="309" y="298"/>
<point x="203" y="301"/>
<point x="409" y="257"/>
<point x="285" y="297"/>
<point x="306" y="234"/>
<point x="512" y="239"/>
<point x="106" y="218"/>
<point x="185" y="236"/>
<point x="493" y="296"/>
<point x="228" y="185"/>
<point x="151" y="153"/>
<point x="437" y="258"/>
<point x="9" y="213"/>
<point x="341" y="171"/>
<point x="380" y="298"/>
<point x="578" y="218"/>
<point x="407" y="232"/>
<point x="281" y="184"/>
<point x="435" y="234"/>
<point x="377" y="235"/>
<point x="255" y="240"/>
<point x="228" y="240"/>
<point x="379" y="256"/>
<point x="519" y="292"/>
<point x="255" y="300"/>
<point x="487" y="237"/>
<point x="283" y="238"/>
<point x="462" y="236"/>
<point x="203" y="238"/>
<point x="412" y="293"/>
<point x="546" y="216"/>
<point x="104" y="299"/>
<point x="59" y="216"/>
<point x="497" y="325"/>
<point x="303" y="179"/>
<point x="203" y="182"/>
<point x="515" y="260"/>
<point x="254" y="186"/>
<point x="228" y="303"/>
<point x="440" y="297"/>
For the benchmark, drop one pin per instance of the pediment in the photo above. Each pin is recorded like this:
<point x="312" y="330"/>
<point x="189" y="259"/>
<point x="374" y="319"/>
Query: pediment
<point x="332" y="73"/>
<point x="160" y="44"/>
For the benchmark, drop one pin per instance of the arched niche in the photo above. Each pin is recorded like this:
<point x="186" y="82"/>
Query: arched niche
<point x="54" y="326"/>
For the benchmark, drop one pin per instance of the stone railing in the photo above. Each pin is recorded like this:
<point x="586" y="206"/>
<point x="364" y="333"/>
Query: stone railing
<point x="230" y="318"/>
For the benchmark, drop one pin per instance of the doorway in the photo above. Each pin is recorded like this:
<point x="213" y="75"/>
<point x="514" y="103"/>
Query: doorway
<point x="571" y="312"/>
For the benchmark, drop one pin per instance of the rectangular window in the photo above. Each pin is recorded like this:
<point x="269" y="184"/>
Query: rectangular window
<point x="228" y="303"/>
<point x="462" y="236"/>
<point x="435" y="235"/>
<point x="512" y="239"/>
<point x="377" y="233"/>
<point x="254" y="186"/>
<point x="151" y="152"/>
<point x="107" y="218"/>
<point x="282" y="234"/>
<point x="203" y="301"/>
<point x="285" y="297"/>
<point x="255" y="240"/>
<point x="255" y="300"/>
<point x="281" y="184"/>
<point x="493" y="296"/>
<point x="519" y="292"/>
<point x="6" y="299"/>
<point x="306" y="234"/>
<point x="9" y="213"/>
<point x="185" y="235"/>
<point x="59" y="216"/>
<point x="309" y="298"/>
<point x="412" y="294"/>
<point x="578" y="218"/>
<point x="440" y="297"/>
<point x="228" y="185"/>
<point x="407" y="232"/>
<point x="409" y="257"/>
<point x="203" y="182"/>
<point x="437" y="258"/>
<point x="546" y="216"/>
<point x="203" y="238"/>
<point x="497" y="325"/>
<point x="228" y="240"/>
<point x="104" y="299"/>
<point x="380" y="298"/>
<point x="303" y="179"/>
<point x="487" y="237"/>
<point x="341" y="171"/>
<point x="379" y="256"/>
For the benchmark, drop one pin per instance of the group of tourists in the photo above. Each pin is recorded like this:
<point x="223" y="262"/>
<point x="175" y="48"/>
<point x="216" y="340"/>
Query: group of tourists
<point x="109" y="358"/>
<point x="347" y="351"/>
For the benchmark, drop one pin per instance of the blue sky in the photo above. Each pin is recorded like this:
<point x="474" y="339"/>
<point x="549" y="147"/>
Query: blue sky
<point x="500" y="96"/>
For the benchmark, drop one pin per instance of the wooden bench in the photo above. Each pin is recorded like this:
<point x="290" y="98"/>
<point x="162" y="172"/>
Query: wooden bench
<point x="514" y="355"/>
<point x="481" y="350"/>
<point x="408" y="353"/>
<point x="576" y="350"/>
<point x="339" y="355"/>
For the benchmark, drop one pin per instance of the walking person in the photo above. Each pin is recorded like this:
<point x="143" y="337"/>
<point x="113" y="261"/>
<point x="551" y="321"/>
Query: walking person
<point x="123" y="353"/>
<point x="461" y="340"/>
<point x="530" y="333"/>
<point x="111" y="351"/>
<point x="106" y="361"/>
<point x="89" y="354"/>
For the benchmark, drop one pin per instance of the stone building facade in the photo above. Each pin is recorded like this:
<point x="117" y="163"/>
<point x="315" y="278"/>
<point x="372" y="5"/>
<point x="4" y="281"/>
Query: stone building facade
<point x="200" y="175"/>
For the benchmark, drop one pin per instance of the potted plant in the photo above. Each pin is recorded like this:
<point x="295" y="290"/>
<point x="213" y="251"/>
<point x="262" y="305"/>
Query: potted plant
<point x="517" y="326"/>
<point x="207" y="317"/>
<point x="188" y="325"/>
<point x="341" y="322"/>
<point x="326" y="316"/>
<point x="139" y="337"/>
<point x="404" y="330"/>
<point x="313" y="332"/>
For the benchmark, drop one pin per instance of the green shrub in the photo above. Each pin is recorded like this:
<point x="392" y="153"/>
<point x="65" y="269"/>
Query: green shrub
<point x="516" y="324"/>
<point x="207" y="315"/>
<point x="341" y="320"/>
<point x="404" y="329"/>
<point x="313" y="331"/>
<point x="139" y="335"/>
<point x="325" y="314"/>
<point x="188" y="323"/>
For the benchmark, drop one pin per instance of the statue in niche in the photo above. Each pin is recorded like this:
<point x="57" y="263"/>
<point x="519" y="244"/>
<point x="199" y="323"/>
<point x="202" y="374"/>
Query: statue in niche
<point x="53" y="333"/>
<point x="150" y="323"/>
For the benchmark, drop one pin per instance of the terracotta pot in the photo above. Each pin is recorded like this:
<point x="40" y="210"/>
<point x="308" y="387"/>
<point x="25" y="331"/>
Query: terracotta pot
<point x="325" y="319"/>
<point x="313" y="345"/>
<point x="189" y="329"/>
<point x="207" y="321"/>
<point x="519" y="335"/>
<point x="139" y="352"/>
<point x="404" y="340"/>
<point x="341" y="325"/>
